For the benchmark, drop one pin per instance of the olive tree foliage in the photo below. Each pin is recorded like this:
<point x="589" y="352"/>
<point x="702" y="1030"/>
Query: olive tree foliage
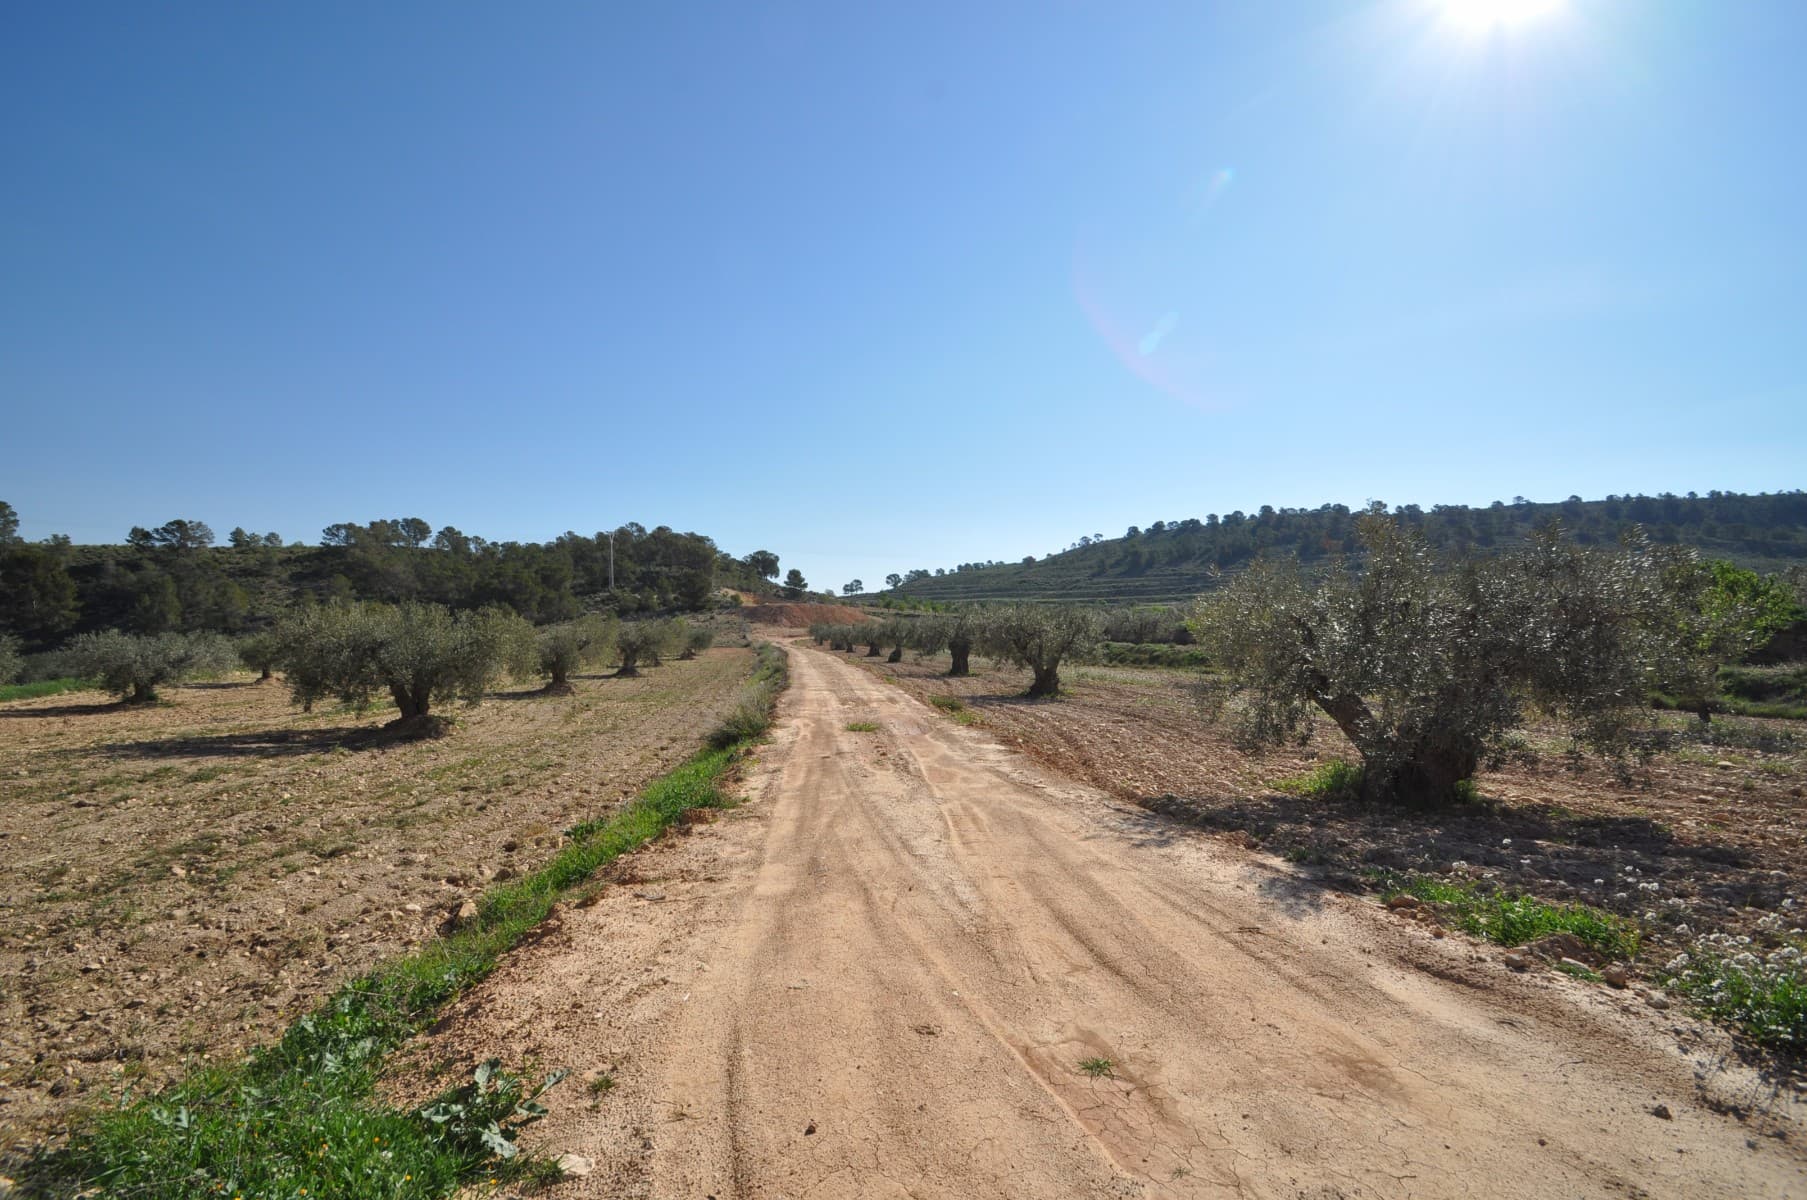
<point x="1723" y="612"/>
<point x="134" y="665"/>
<point x="421" y="654"/>
<point x="694" y="639"/>
<point x="1426" y="666"/>
<point x="1040" y="637"/>
<point x="955" y="632"/>
<point x="838" y="636"/>
<point x="640" y="643"/>
<point x="896" y="634"/>
<point x="11" y="664"/>
<point x="562" y="649"/>
<point x="260" y="652"/>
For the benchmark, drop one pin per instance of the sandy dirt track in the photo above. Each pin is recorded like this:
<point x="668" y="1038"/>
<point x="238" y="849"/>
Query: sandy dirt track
<point x="880" y="976"/>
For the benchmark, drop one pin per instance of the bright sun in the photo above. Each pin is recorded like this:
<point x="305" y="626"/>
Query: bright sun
<point x="1482" y="16"/>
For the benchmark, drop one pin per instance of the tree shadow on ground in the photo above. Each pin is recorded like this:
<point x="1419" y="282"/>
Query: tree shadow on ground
<point x="68" y="710"/>
<point x="1626" y="864"/>
<point x="270" y="743"/>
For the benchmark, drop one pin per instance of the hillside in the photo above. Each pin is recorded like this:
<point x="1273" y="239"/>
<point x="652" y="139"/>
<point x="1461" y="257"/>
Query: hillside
<point x="175" y="578"/>
<point x="1174" y="561"/>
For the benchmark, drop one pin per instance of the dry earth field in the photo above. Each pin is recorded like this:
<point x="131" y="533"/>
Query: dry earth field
<point x="180" y="881"/>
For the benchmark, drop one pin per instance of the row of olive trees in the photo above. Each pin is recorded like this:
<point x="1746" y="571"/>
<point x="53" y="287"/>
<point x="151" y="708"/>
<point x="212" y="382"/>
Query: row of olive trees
<point x="1425" y="664"/>
<point x="1037" y="637"/>
<point x="417" y="654"/>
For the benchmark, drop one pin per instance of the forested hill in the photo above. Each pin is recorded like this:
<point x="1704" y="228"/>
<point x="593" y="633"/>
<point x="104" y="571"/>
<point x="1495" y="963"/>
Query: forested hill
<point x="174" y="577"/>
<point x="1173" y="560"/>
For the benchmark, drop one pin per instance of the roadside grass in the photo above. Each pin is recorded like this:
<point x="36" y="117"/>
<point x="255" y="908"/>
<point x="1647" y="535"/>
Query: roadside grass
<point x="956" y="708"/>
<point x="862" y="727"/>
<point x="303" y="1118"/>
<point x="752" y="714"/>
<point x="44" y="687"/>
<point x="1512" y="919"/>
<point x="1763" y="996"/>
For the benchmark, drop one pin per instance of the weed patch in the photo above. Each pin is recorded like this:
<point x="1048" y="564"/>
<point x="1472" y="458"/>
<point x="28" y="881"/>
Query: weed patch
<point x="862" y="727"/>
<point x="1510" y="919"/>
<point x="956" y="708"/>
<point x="1763" y="996"/>
<point x="44" y="687"/>
<point x="1334" y="781"/>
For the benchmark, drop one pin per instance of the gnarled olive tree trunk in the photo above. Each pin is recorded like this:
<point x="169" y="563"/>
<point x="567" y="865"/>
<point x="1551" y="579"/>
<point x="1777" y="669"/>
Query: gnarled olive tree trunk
<point x="961" y="650"/>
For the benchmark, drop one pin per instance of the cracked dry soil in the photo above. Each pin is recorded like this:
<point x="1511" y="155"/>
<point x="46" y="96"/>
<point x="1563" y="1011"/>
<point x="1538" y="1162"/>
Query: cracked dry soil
<point x="879" y="975"/>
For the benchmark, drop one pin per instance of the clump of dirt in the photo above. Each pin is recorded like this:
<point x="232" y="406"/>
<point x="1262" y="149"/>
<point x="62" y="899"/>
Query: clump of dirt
<point x="802" y="616"/>
<point x="183" y="879"/>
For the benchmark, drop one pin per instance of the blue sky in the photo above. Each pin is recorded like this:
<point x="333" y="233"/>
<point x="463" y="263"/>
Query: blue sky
<point x="886" y="286"/>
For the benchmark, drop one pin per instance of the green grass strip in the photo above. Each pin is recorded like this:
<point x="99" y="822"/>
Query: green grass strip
<point x="302" y="1118"/>
<point x="1511" y="919"/>
<point x="44" y="687"/>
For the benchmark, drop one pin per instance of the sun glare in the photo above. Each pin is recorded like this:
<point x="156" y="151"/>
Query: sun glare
<point x="1483" y="16"/>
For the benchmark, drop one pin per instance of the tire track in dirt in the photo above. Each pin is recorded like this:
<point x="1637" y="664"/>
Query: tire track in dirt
<point x="907" y="942"/>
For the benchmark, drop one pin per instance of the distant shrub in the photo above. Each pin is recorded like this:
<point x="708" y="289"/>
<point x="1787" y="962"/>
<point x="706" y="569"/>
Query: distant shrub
<point x="135" y="665"/>
<point x="12" y="665"/>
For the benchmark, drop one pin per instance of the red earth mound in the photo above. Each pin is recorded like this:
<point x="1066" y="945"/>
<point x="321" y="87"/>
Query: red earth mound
<point x="801" y="616"/>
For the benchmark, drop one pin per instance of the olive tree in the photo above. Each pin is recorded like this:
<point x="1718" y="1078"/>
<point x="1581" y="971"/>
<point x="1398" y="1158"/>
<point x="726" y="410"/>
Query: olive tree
<point x="1724" y="611"/>
<point x="420" y="654"/>
<point x="956" y="633"/>
<point x="1040" y="637"/>
<point x="694" y="639"/>
<point x="897" y="635"/>
<point x="564" y="648"/>
<point x="260" y="652"/>
<point x="134" y="664"/>
<point x="1425" y="666"/>
<point x="638" y="642"/>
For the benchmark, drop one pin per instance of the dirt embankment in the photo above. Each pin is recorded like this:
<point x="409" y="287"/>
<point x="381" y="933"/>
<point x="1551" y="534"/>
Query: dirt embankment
<point x="802" y="616"/>
<point x="916" y="964"/>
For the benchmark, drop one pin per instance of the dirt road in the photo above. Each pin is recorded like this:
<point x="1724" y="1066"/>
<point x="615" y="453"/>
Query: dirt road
<point x="881" y="978"/>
